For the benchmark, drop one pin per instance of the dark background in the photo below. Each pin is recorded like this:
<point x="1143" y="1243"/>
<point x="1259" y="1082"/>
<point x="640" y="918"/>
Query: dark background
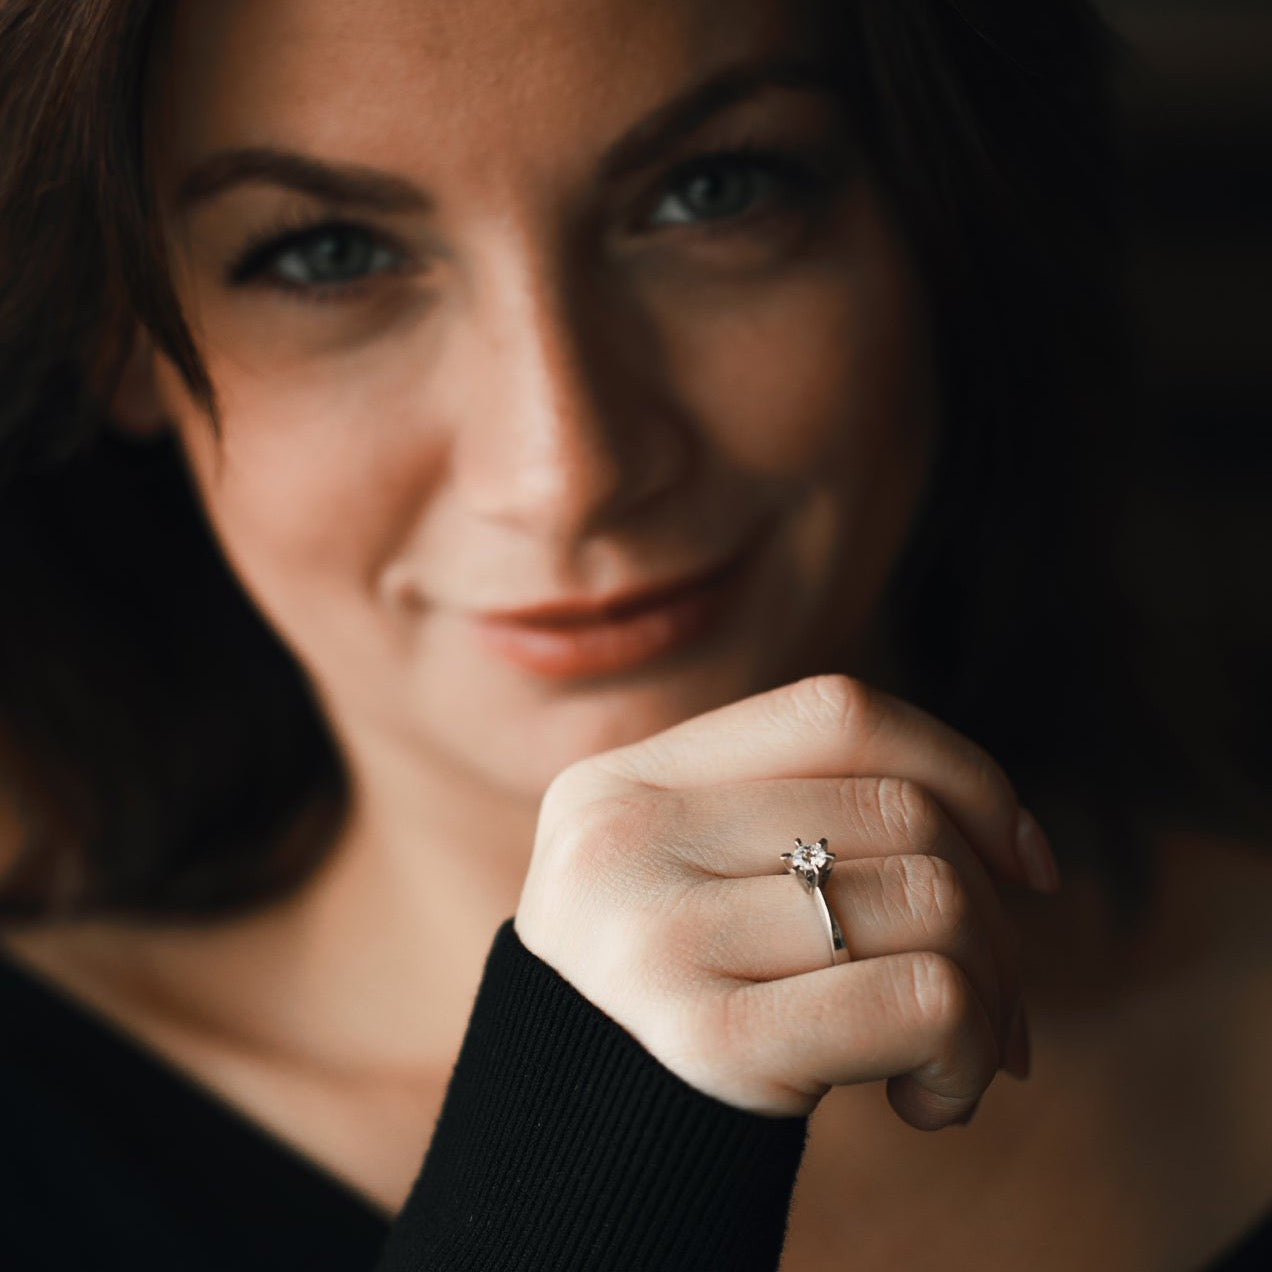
<point x="1197" y="97"/>
<point x="1198" y="103"/>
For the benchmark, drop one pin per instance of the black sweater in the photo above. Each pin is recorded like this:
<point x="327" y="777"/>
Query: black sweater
<point x="562" y="1145"/>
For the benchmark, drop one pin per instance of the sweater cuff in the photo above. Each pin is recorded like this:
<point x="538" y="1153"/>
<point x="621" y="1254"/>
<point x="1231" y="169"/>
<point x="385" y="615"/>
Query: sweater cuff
<point x="564" y="1144"/>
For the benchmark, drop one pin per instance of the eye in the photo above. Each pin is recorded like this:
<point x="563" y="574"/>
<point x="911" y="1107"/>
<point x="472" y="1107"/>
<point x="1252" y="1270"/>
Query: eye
<point x="320" y="258"/>
<point x="729" y="185"/>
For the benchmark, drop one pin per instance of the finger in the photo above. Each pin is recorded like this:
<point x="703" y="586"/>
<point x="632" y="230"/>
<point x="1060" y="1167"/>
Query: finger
<point x="744" y="827"/>
<point x="730" y="830"/>
<point x="834" y="726"/>
<point x="764" y="929"/>
<point x="913" y="1014"/>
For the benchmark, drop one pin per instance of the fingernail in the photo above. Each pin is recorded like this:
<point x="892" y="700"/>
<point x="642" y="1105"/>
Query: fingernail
<point x="1034" y="852"/>
<point x="1018" y="1059"/>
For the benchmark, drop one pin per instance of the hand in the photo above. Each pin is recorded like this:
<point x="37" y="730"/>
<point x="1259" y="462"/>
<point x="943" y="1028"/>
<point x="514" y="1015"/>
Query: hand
<point x="656" y="889"/>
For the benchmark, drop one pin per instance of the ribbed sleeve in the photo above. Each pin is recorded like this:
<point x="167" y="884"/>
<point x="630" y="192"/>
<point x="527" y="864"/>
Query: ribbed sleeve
<point x="563" y="1145"/>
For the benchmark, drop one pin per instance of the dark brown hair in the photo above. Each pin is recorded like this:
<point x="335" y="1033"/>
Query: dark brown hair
<point x="163" y="749"/>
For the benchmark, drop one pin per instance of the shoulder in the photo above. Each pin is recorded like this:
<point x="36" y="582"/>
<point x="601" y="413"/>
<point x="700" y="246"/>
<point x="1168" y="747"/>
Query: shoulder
<point x="1214" y="897"/>
<point x="1215" y="911"/>
<point x="1194" y="1000"/>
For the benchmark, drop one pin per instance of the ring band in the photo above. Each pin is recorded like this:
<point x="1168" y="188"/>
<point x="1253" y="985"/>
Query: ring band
<point x="811" y="865"/>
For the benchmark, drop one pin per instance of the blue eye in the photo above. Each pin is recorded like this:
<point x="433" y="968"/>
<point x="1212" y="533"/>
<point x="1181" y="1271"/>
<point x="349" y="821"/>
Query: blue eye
<point x="329" y="256"/>
<point x="728" y="185"/>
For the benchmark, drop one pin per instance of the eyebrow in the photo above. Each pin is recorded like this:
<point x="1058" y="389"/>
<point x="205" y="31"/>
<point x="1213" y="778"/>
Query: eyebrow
<point x="683" y="114"/>
<point x="352" y="185"/>
<point x="346" y="184"/>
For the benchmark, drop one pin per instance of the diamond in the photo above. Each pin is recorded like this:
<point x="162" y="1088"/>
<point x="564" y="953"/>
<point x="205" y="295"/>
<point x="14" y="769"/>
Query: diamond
<point x="811" y="858"/>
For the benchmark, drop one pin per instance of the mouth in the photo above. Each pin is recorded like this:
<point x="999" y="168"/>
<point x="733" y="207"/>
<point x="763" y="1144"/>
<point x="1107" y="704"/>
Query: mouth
<point x="583" y="638"/>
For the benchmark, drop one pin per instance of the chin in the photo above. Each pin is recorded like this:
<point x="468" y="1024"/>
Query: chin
<point x="520" y="741"/>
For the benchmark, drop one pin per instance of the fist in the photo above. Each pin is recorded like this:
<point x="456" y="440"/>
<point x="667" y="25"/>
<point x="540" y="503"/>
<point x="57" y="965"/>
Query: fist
<point x="657" y="889"/>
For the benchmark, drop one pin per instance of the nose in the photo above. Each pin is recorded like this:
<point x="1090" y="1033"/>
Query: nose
<point x="567" y="429"/>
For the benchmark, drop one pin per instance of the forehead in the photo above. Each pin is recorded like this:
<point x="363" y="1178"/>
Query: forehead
<point x="366" y="79"/>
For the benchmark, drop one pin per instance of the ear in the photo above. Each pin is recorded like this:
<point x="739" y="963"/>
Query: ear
<point x="136" y="407"/>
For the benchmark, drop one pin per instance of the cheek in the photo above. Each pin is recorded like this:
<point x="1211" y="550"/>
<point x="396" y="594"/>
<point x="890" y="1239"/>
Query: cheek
<point x="823" y="391"/>
<point x="312" y="481"/>
<point x="828" y="372"/>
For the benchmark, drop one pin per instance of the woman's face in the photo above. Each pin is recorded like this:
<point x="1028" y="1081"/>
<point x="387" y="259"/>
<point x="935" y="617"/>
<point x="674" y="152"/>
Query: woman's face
<point x="573" y="379"/>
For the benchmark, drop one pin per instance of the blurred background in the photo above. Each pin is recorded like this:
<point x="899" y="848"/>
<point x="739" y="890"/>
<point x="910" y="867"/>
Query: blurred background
<point x="1198" y="98"/>
<point x="1197" y="93"/>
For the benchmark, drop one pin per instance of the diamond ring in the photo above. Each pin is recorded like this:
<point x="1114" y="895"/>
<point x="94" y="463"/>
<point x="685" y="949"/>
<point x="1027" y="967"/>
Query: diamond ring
<point x="811" y="865"/>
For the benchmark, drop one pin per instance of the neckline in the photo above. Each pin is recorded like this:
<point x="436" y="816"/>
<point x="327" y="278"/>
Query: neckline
<point x="203" y="1156"/>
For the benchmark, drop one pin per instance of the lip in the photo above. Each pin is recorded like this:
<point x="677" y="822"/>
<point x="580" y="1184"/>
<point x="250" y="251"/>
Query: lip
<point x="623" y="631"/>
<point x="607" y="608"/>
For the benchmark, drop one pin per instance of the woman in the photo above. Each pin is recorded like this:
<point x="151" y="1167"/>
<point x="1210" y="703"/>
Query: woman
<point x="617" y="416"/>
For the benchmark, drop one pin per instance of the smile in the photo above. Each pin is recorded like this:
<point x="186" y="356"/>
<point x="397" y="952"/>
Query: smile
<point x="608" y="636"/>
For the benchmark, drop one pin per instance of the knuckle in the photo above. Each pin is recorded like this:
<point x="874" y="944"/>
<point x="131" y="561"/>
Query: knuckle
<point x="934" y="893"/>
<point x="705" y="1036"/>
<point x="572" y="786"/>
<point x="595" y="834"/>
<point x="839" y="702"/>
<point x="938" y="990"/>
<point x="909" y="812"/>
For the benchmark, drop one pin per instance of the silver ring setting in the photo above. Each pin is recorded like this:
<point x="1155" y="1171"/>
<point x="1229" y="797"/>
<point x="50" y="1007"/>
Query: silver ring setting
<point x="811" y="864"/>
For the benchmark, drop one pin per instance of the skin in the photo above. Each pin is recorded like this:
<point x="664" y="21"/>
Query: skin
<point x="554" y="385"/>
<point x="558" y="395"/>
